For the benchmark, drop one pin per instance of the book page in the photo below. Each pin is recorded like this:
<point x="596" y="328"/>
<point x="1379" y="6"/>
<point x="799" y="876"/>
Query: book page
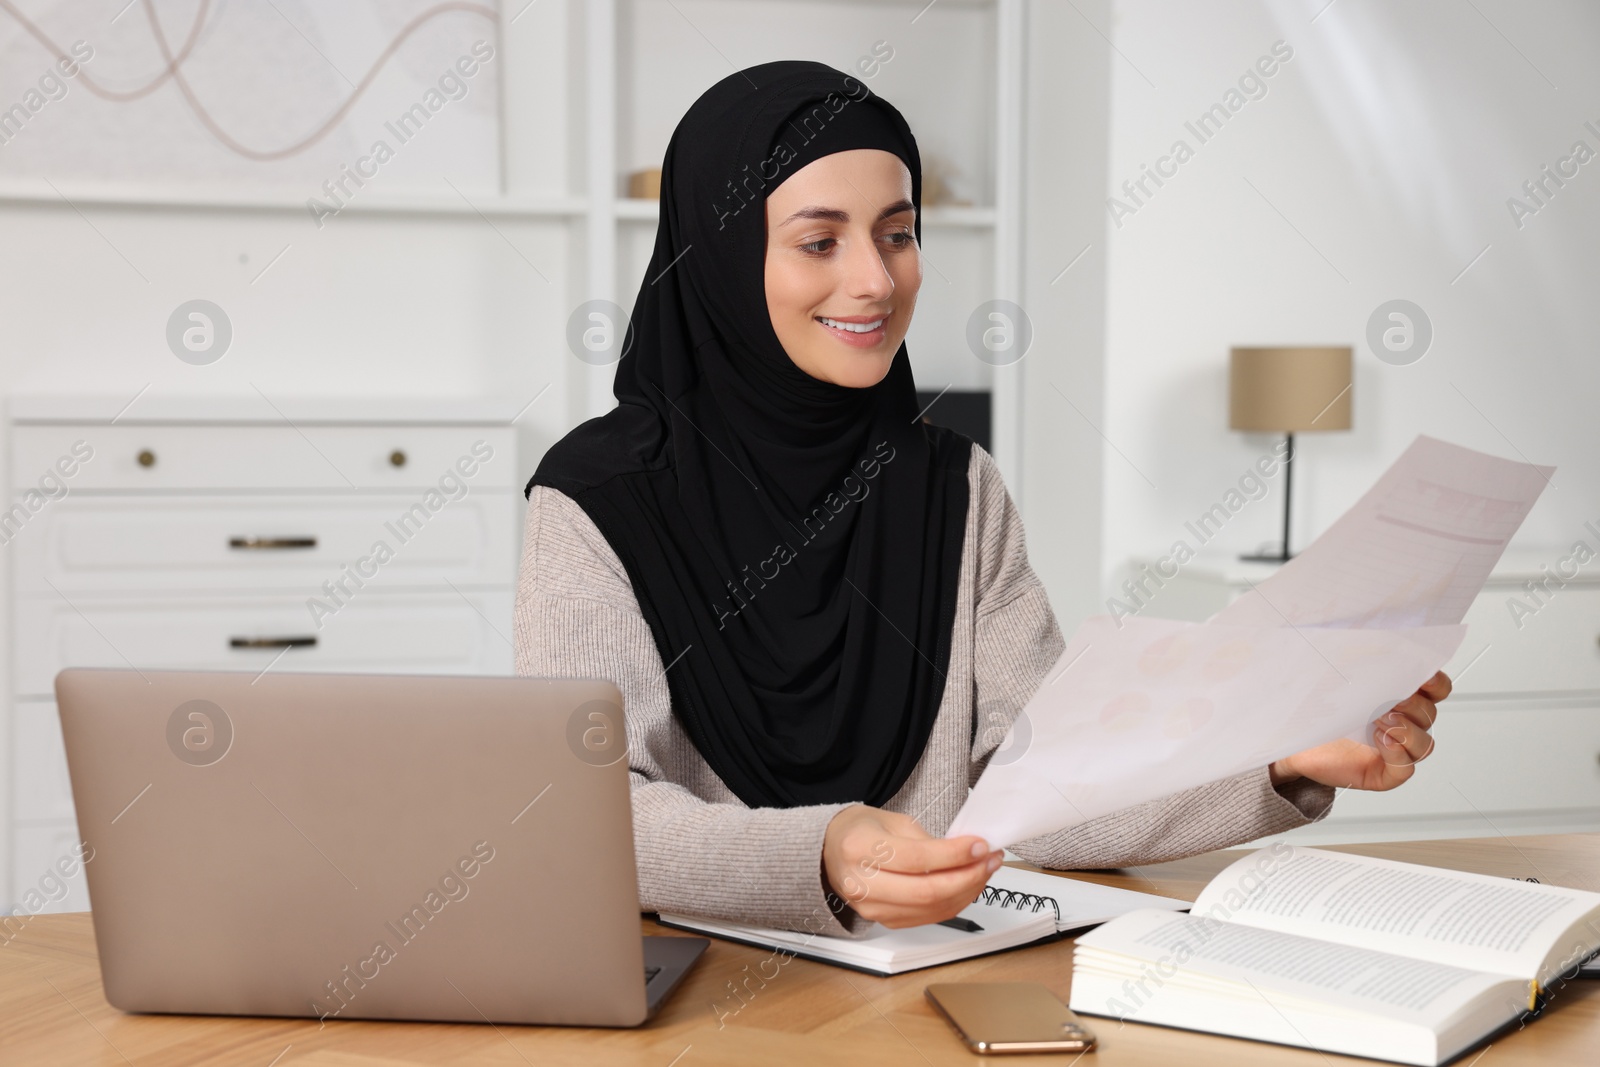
<point x="1469" y="920"/>
<point x="1290" y="970"/>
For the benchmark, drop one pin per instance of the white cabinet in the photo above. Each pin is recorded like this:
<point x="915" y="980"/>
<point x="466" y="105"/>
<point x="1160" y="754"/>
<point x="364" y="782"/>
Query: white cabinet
<point x="1517" y="744"/>
<point x="195" y="540"/>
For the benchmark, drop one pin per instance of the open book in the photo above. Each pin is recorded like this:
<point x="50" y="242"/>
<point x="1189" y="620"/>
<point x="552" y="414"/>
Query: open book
<point x="1341" y="953"/>
<point x="1016" y="908"/>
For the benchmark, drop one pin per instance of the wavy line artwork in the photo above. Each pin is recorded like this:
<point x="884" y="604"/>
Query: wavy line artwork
<point x="174" y="71"/>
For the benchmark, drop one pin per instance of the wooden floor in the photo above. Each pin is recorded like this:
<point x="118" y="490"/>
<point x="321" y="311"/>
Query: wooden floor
<point x="52" y="1011"/>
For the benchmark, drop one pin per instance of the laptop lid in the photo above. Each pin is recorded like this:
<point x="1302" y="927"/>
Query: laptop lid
<point x="357" y="845"/>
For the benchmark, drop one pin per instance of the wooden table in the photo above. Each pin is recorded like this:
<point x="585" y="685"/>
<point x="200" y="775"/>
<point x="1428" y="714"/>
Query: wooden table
<point x="52" y="1010"/>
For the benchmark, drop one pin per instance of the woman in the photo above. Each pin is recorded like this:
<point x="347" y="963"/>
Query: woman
<point x="817" y="606"/>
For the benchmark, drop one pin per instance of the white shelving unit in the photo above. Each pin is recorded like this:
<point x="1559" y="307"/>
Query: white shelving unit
<point x="591" y="90"/>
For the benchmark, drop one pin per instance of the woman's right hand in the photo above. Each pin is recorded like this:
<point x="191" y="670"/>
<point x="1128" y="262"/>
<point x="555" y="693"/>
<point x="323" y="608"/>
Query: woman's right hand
<point x="892" y="871"/>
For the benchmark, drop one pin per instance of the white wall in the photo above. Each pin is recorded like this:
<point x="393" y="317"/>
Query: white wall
<point x="1377" y="166"/>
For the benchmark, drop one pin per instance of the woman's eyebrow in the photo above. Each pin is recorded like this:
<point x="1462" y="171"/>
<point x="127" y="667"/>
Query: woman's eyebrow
<point x="833" y="214"/>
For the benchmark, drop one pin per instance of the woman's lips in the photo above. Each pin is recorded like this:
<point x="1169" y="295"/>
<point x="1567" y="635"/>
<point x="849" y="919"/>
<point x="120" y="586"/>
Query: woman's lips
<point x="868" y="339"/>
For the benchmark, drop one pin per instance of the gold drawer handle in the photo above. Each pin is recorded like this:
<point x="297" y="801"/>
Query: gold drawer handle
<point x="272" y="642"/>
<point x="146" y="458"/>
<point x="272" y="542"/>
<point x="397" y="458"/>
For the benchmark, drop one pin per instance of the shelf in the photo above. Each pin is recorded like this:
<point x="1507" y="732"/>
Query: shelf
<point x="951" y="215"/>
<point x="26" y="408"/>
<point x="627" y="209"/>
<point x="1516" y="566"/>
<point x="268" y="201"/>
<point x="922" y="3"/>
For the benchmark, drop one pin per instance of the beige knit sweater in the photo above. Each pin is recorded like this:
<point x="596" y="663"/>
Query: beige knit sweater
<point x="700" y="850"/>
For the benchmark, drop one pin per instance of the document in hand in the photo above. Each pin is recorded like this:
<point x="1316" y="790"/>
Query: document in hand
<point x="1141" y="708"/>
<point x="1161" y="706"/>
<point x="1341" y="953"/>
<point x="1413" y="551"/>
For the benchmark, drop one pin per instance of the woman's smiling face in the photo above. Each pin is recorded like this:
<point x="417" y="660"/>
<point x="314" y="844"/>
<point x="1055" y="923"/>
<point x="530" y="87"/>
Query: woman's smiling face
<point x="842" y="265"/>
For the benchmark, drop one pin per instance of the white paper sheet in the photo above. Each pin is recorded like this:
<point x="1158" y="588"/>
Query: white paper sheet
<point x="1157" y="706"/>
<point x="1331" y="641"/>
<point x="1413" y="551"/>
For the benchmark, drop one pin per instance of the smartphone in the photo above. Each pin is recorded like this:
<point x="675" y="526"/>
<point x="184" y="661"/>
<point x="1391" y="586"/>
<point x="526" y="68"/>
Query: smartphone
<point x="1009" y="1017"/>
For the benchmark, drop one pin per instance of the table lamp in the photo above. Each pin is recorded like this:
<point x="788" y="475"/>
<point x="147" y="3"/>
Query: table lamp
<point x="1288" y="391"/>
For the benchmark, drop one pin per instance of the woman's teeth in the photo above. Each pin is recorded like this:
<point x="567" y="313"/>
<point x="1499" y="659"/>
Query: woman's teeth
<point x="852" y="327"/>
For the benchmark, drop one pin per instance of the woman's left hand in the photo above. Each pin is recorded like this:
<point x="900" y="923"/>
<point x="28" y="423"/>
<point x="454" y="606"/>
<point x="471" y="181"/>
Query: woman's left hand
<point x="1400" y="741"/>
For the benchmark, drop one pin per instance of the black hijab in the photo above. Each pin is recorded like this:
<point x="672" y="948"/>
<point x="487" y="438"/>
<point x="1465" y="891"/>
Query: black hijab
<point x="793" y="544"/>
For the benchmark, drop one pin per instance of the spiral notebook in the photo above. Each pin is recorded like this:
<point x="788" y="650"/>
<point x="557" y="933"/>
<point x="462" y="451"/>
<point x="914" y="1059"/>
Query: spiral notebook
<point x="1016" y="908"/>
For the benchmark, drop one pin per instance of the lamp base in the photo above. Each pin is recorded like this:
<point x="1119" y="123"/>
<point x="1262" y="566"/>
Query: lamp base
<point x="1282" y="555"/>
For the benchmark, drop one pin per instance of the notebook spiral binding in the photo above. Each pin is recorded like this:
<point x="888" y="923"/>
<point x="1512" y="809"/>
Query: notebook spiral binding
<point x="1006" y="898"/>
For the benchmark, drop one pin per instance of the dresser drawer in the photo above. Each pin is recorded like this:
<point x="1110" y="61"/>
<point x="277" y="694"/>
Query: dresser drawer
<point x="181" y="544"/>
<point x="256" y="457"/>
<point x="1555" y="649"/>
<point x="424" y="633"/>
<point x="40" y="788"/>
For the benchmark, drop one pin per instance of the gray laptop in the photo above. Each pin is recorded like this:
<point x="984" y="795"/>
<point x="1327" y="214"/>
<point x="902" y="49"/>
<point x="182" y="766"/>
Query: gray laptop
<point x="362" y="846"/>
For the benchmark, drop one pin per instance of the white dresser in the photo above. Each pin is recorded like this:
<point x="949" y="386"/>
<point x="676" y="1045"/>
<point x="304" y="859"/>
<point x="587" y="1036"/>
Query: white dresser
<point x="1517" y="743"/>
<point x="239" y="534"/>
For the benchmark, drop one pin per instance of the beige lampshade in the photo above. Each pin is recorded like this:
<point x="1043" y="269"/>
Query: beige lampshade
<point x="1289" y="390"/>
